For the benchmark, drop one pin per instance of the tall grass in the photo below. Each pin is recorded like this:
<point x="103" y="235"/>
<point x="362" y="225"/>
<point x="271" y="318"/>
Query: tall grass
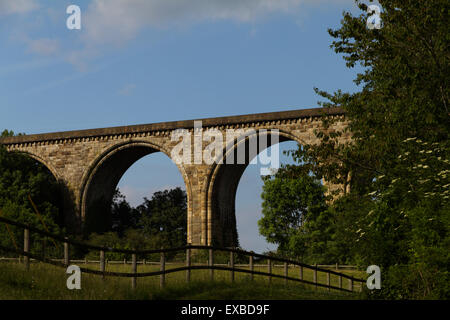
<point x="49" y="282"/>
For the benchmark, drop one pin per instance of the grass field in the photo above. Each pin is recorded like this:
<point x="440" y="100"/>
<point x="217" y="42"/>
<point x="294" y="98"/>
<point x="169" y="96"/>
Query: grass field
<point x="49" y="282"/>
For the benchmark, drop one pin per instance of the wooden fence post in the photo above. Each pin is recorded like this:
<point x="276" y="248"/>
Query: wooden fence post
<point x="66" y="253"/>
<point x="44" y="247"/>
<point x="315" y="274"/>
<point x="26" y="247"/>
<point x="251" y="267"/>
<point x="269" y="269"/>
<point x="301" y="272"/>
<point x="286" y="273"/>
<point x="133" y="270"/>
<point x="211" y="263"/>
<point x="162" y="277"/>
<point x="232" y="265"/>
<point x="102" y="263"/>
<point x="328" y="280"/>
<point x="337" y="266"/>
<point x="188" y="264"/>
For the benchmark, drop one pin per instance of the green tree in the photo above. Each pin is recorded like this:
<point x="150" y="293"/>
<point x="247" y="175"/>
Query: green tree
<point x="396" y="162"/>
<point x="291" y="206"/>
<point x="21" y="177"/>
<point x="158" y="222"/>
<point x="164" y="218"/>
<point x="124" y="216"/>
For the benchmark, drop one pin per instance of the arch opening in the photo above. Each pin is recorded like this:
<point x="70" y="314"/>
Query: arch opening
<point x="223" y="190"/>
<point x="103" y="180"/>
<point x="248" y="208"/>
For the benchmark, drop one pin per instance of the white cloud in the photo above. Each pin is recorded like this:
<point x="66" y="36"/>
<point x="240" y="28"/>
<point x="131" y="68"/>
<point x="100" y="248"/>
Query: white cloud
<point x="127" y="89"/>
<point x="43" y="46"/>
<point x="70" y="77"/>
<point x="79" y="58"/>
<point x="17" y="6"/>
<point x="116" y="21"/>
<point x="106" y="22"/>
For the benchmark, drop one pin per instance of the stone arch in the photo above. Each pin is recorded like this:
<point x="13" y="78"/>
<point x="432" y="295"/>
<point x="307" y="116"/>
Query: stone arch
<point x="100" y="181"/>
<point x="65" y="201"/>
<point x="221" y="191"/>
<point x="42" y="161"/>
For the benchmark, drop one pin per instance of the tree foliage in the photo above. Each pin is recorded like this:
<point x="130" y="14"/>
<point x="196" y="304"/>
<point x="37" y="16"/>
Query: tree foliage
<point x="124" y="216"/>
<point x="291" y="205"/>
<point x="21" y="177"/>
<point x="397" y="213"/>
<point x="164" y="218"/>
<point x="159" y="222"/>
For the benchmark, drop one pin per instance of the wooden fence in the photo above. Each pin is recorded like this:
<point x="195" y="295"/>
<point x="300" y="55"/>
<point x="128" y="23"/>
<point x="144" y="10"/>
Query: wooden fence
<point x="148" y="262"/>
<point x="189" y="266"/>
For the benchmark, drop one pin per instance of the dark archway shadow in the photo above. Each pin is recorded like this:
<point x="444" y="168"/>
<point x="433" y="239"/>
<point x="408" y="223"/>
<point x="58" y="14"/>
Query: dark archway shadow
<point x="56" y="193"/>
<point x="223" y="188"/>
<point x="103" y="182"/>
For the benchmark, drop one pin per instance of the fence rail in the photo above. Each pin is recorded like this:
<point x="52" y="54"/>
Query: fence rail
<point x="146" y="262"/>
<point x="232" y="267"/>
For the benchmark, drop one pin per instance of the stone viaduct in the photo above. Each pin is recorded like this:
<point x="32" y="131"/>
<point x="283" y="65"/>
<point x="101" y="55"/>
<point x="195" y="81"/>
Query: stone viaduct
<point x="90" y="163"/>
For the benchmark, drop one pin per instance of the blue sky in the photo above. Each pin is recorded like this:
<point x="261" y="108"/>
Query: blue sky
<point x="145" y="61"/>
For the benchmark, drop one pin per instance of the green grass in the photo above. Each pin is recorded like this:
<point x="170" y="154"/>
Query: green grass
<point x="49" y="282"/>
